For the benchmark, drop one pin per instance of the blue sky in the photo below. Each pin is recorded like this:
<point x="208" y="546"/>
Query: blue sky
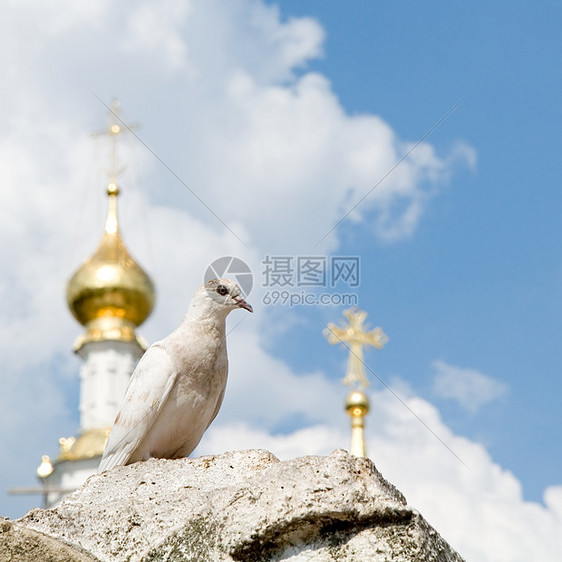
<point x="281" y="117"/>
<point x="480" y="282"/>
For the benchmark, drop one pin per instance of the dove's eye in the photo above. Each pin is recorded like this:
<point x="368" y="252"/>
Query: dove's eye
<point x="222" y="290"/>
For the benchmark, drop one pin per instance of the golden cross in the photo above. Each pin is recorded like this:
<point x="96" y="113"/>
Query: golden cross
<point x="114" y="131"/>
<point x="356" y="335"/>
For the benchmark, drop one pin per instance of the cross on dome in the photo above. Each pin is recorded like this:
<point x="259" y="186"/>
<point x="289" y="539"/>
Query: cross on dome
<point x="356" y="335"/>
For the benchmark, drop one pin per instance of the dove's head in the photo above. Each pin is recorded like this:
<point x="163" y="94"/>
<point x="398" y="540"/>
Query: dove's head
<point x="224" y="295"/>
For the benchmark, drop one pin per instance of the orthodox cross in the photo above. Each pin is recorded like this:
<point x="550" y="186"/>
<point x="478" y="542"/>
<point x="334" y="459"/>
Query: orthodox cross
<point x="115" y="129"/>
<point x="356" y="335"/>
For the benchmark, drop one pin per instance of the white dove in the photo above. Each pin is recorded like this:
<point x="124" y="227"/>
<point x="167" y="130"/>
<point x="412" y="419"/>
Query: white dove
<point x="177" y="388"/>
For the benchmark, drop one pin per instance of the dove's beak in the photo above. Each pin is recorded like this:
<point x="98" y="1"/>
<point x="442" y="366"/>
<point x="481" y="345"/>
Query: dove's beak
<point x="241" y="303"/>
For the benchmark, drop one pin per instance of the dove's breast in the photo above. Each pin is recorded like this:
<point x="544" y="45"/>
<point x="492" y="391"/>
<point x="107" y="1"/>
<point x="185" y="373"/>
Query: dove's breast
<point x="192" y="403"/>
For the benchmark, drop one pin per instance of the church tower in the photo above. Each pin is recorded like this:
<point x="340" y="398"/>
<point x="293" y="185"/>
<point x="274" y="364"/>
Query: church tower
<point x="110" y="295"/>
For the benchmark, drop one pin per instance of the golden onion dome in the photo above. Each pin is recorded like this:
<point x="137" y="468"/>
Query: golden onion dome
<point x="110" y="293"/>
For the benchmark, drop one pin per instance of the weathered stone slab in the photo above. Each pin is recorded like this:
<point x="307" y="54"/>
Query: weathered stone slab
<point x="242" y="505"/>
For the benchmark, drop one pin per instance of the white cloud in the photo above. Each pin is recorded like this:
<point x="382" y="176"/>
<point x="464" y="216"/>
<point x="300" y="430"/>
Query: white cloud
<point x="251" y="37"/>
<point x="479" y="507"/>
<point x="266" y="391"/>
<point x="294" y="152"/>
<point x="156" y="27"/>
<point x="313" y="440"/>
<point x="469" y="387"/>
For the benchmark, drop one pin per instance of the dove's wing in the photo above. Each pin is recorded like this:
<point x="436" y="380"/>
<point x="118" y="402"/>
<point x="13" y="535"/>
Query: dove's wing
<point x="217" y="407"/>
<point x="147" y="392"/>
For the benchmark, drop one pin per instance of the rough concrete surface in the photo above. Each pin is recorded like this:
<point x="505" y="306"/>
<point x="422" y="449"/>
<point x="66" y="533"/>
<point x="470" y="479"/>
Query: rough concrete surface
<point x="239" y="506"/>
